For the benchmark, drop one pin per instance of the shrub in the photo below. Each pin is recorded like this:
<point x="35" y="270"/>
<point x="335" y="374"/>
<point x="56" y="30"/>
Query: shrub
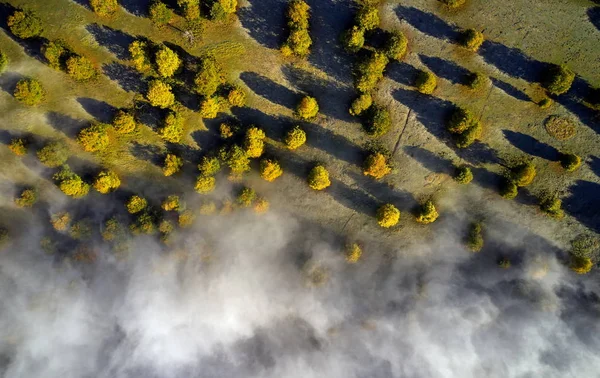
<point x="508" y="189"/>
<point x="209" y="166"/>
<point x="270" y="169"/>
<point x="463" y="175"/>
<point x="261" y="205"/>
<point x="80" y="68"/>
<point x="353" y="253"/>
<point x="135" y="204"/>
<point x="475" y="238"/>
<point x="318" y="178"/>
<point x="160" y="14"/>
<point x="236" y="96"/>
<point x="60" y="221"/>
<point x="246" y="197"/>
<point x="427" y="213"/>
<point x="56" y="53"/>
<point x="388" y="215"/>
<point x="369" y="71"/>
<point x="570" y="162"/>
<point x="3" y="61"/>
<point x="205" y="184"/>
<point x="360" y="104"/>
<point x="210" y="106"/>
<point x="377" y="121"/>
<point x="584" y="246"/>
<point x="27" y="198"/>
<point x="70" y="183"/>
<point x="190" y="8"/>
<point x="54" y="154"/>
<point x="551" y="206"/>
<point x="295" y="138"/>
<point x="426" y="82"/>
<point x="18" y="146"/>
<point x="469" y="136"/>
<point x="144" y="224"/>
<point x="254" y="142"/>
<point x="476" y="80"/>
<point x="186" y="219"/>
<point x="471" y="39"/>
<point x="94" y="138"/>
<point x="124" y="122"/>
<point x="81" y="230"/>
<point x="106" y="182"/>
<point x="221" y="8"/>
<point x="172" y="128"/>
<point x="558" y="79"/>
<point x="159" y="94"/>
<point x="167" y="62"/>
<point x="25" y="24"/>
<point x="113" y="230"/>
<point x="307" y="108"/>
<point x="353" y="39"/>
<point x="523" y="174"/>
<point x="171" y="203"/>
<point x="367" y="18"/>
<point x="376" y="165"/>
<point x="165" y="228"/>
<point x="104" y="8"/>
<point x="460" y="120"/>
<point x="29" y="92"/>
<point x="208" y="208"/>
<point x="237" y="159"/>
<point x="209" y="77"/>
<point x="396" y="45"/>
<point x="453" y="3"/>
<point x="581" y="265"/>
<point x="140" y="56"/>
<point x="172" y="164"/>
<point x="560" y="128"/>
<point x="545" y="103"/>
<point x="226" y="130"/>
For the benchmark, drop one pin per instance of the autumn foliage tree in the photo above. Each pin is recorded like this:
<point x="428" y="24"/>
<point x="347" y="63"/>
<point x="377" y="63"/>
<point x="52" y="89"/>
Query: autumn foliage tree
<point x="295" y="138"/>
<point x="299" y="41"/>
<point x="254" y="142"/>
<point x="124" y="122"/>
<point x="172" y="164"/>
<point x="209" y="77"/>
<point x="171" y="129"/>
<point x="376" y="165"/>
<point x="53" y="154"/>
<point x="270" y="169"/>
<point x="104" y="8"/>
<point x="27" y="198"/>
<point x="135" y="204"/>
<point x="427" y="213"/>
<point x="107" y="181"/>
<point x="70" y="183"/>
<point x="388" y="215"/>
<point x="25" y="24"/>
<point x="29" y="92"/>
<point x="159" y="94"/>
<point x="307" y="108"/>
<point x="94" y="137"/>
<point x="167" y="62"/>
<point x="318" y="178"/>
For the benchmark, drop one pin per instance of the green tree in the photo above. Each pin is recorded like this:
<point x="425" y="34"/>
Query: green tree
<point x="377" y="121"/>
<point x="254" y="142"/>
<point x="295" y="138"/>
<point x="396" y="45"/>
<point x="209" y="77"/>
<point x="172" y="164"/>
<point x="145" y="223"/>
<point x="29" y="92"/>
<point x="426" y="82"/>
<point x="160" y="95"/>
<point x="570" y="162"/>
<point x="246" y="197"/>
<point x="140" y="55"/>
<point x="135" y="204"/>
<point x="172" y="127"/>
<point x="471" y="39"/>
<point x="18" y="146"/>
<point x="209" y="166"/>
<point x="369" y="71"/>
<point x="270" y="169"/>
<point x="353" y="39"/>
<point x="558" y="79"/>
<point x="54" y="154"/>
<point x="205" y="184"/>
<point x="307" y="108"/>
<point x="81" y="69"/>
<point x="367" y="17"/>
<point x="388" y="215"/>
<point x="318" y="178"/>
<point x="167" y="62"/>
<point x="160" y="14"/>
<point x="107" y="181"/>
<point x="376" y="165"/>
<point x="81" y="230"/>
<point x="25" y="24"/>
<point x="56" y="53"/>
<point x="27" y="198"/>
<point x="70" y="183"/>
<point x="94" y="138"/>
<point x="463" y="175"/>
<point x="427" y="213"/>
<point x="124" y="122"/>
<point x="104" y="8"/>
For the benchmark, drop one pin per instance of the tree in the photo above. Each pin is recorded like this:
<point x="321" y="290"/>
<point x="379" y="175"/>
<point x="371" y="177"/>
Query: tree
<point x="246" y="197"/>
<point x="396" y="45"/>
<point x="227" y="130"/>
<point x="237" y="159"/>
<point x="453" y="3"/>
<point x="471" y="39"/>
<point x="135" y="204"/>
<point x="25" y="24"/>
<point x="209" y="77"/>
<point x="81" y="230"/>
<point x="353" y="39"/>
<point x="523" y="174"/>
<point x="81" y="69"/>
<point x="104" y="8"/>
<point x="113" y="230"/>
<point x="107" y="181"/>
<point x="190" y="8"/>
<point x="54" y="154"/>
<point x="376" y="165"/>
<point x="254" y="142"/>
<point x="367" y="18"/>
<point x="220" y="9"/>
<point x="427" y="213"/>
<point x="70" y="183"/>
<point x="270" y="169"/>
<point x="94" y="137"/>
<point x="475" y="238"/>
<point x="172" y="164"/>
<point x="307" y="108"/>
<point x="551" y="206"/>
<point x="210" y="107"/>
<point x="298" y="42"/>
<point x="460" y="120"/>
<point x="581" y="265"/>
<point x="56" y="53"/>
<point x="167" y="62"/>
<point x="476" y="80"/>
<point x="124" y="122"/>
<point x="318" y="178"/>
<point x="171" y="203"/>
<point x="298" y="14"/>
<point x="545" y="103"/>
<point x="388" y="215"/>
<point x="209" y="166"/>
<point x="186" y="219"/>
<point x="60" y="221"/>
<point x="377" y="121"/>
<point x="140" y="55"/>
<point x="261" y="205"/>
<point x="570" y="162"/>
<point x="469" y="136"/>
<point x="236" y="96"/>
<point x="172" y="127"/>
<point x="29" y="92"/>
<point x="27" y="198"/>
<point x="426" y="82"/>
<point x="205" y="184"/>
<point x="463" y="175"/>
<point x="159" y="94"/>
<point x="369" y="71"/>
<point x="560" y="128"/>
<point x="18" y="146"/>
<point x="3" y="61"/>
<point x="353" y="253"/>
<point x="558" y="79"/>
<point x="144" y="224"/>
<point x="295" y="138"/>
<point x="160" y="14"/>
<point x="360" y="104"/>
<point x="508" y="189"/>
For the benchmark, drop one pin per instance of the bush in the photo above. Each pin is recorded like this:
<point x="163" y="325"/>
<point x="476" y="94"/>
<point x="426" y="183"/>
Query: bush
<point x="135" y="204"/>
<point x="81" y="230"/>
<point x="18" y="146"/>
<point x="208" y="208"/>
<point x="270" y="169"/>
<point x="476" y="81"/>
<point x="81" y="69"/>
<point x="545" y="103"/>
<point x="377" y="121"/>
<point x="396" y="45"/>
<point x="551" y="206"/>
<point x="186" y="219"/>
<point x="94" y="138"/>
<point x="190" y="8"/>
<point x="475" y="238"/>
<point x="172" y="128"/>
<point x="220" y="9"/>
<point x="570" y="162"/>
<point x="124" y="122"/>
<point x="461" y="120"/>
<point x="167" y="62"/>
<point x="560" y="128"/>
<point x="261" y="205"/>
<point x="144" y="224"/>
<point x="353" y="39"/>
<point x="254" y="142"/>
<point x="60" y="221"/>
<point x="3" y="61"/>
<point x="246" y="197"/>
<point x="469" y="136"/>
<point x="226" y="130"/>
<point x="172" y="164"/>
<point x="104" y="8"/>
<point x="209" y="166"/>
<point x="159" y="94"/>
<point x="427" y="213"/>
<point x="205" y="184"/>
<point x="463" y="175"/>
<point x="426" y="82"/>
<point x="523" y="174"/>
<point x="508" y="189"/>
<point x="295" y="138"/>
<point x="160" y="14"/>
<point x="367" y="18"/>
<point x="237" y="159"/>
<point x="370" y="71"/>
<point x="558" y="79"/>
<point x="113" y="230"/>
<point x="27" y="198"/>
<point x="140" y="56"/>
<point x="171" y="203"/>
<point x="299" y="41"/>
<point x="360" y="104"/>
<point x="307" y="108"/>
<point x="210" y="106"/>
<point x="471" y="39"/>
<point x="54" y="154"/>
<point x="209" y="77"/>
<point x="388" y="215"/>
<point x="70" y="183"/>
<point x="376" y="165"/>
<point x="581" y="265"/>
<point x="106" y="182"/>
<point x="453" y="3"/>
<point x="236" y="96"/>
<point x="318" y="178"/>
<point x="29" y="92"/>
<point x="353" y="253"/>
<point x="25" y="24"/>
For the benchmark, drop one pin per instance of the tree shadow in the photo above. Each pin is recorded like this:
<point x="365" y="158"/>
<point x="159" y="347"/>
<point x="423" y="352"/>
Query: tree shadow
<point x="186" y="97"/>
<point x="513" y="61"/>
<point x="594" y="164"/>
<point x="445" y="69"/>
<point x="65" y="124"/>
<point x="486" y="178"/>
<point x="510" y="90"/>
<point x="265" y="21"/>
<point x="136" y="7"/>
<point x="116" y="41"/>
<point x="429" y="160"/>
<point x="265" y="87"/>
<point x="100" y="110"/>
<point x="402" y="73"/>
<point x="531" y="146"/>
<point x="583" y="203"/>
<point x="31" y="46"/>
<point x="127" y="77"/>
<point x="385" y="193"/>
<point x="594" y="15"/>
<point x="147" y="152"/>
<point x="149" y="115"/>
<point x="210" y="139"/>
<point x="9" y="80"/>
<point x="479" y="153"/>
<point x="573" y="101"/>
<point x="83" y="3"/>
<point x="428" y="23"/>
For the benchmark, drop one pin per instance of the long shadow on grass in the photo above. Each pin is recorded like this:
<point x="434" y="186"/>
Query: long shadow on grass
<point x="127" y="77"/>
<point x="31" y="46"/>
<point x="65" y="124"/>
<point x="402" y="73"/>
<point x="583" y="203"/>
<point x="531" y="146"/>
<point x="9" y="80"/>
<point x="270" y="90"/>
<point x="479" y="153"/>
<point x="265" y="21"/>
<point x="116" y="41"/>
<point x="594" y="15"/>
<point x="385" y="193"/>
<point x="136" y="7"/>
<point x="100" y="110"/>
<point x="594" y="164"/>
<point x="428" y="23"/>
<point x="147" y="152"/>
